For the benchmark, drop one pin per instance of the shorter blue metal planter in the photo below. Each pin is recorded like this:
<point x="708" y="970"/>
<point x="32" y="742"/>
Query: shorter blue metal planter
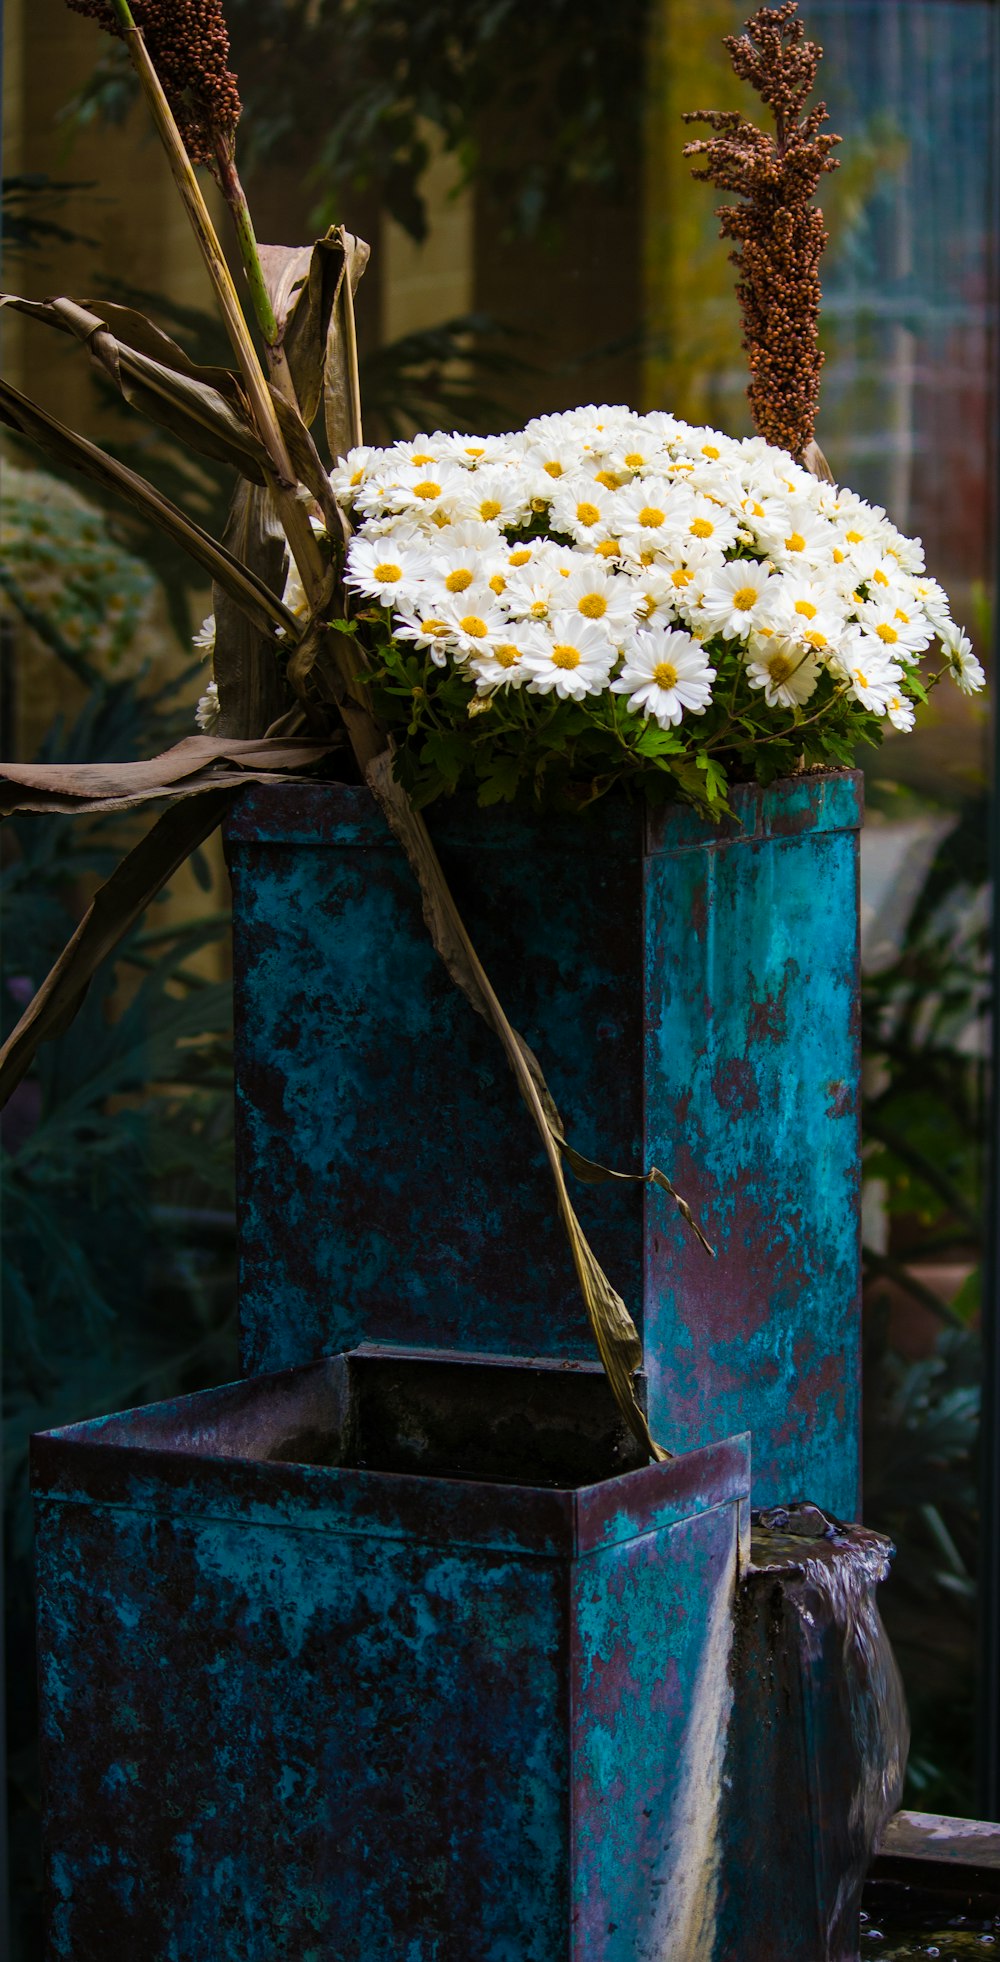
<point x="386" y="1658"/>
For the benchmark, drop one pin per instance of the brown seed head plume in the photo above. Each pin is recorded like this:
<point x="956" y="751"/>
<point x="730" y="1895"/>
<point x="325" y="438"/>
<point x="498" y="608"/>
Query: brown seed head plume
<point x="188" y="43"/>
<point x="779" y="230"/>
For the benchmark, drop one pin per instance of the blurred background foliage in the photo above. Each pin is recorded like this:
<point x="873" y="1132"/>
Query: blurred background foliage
<point x="537" y="243"/>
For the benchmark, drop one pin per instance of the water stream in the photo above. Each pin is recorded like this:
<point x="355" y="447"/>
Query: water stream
<point x="818" y="1741"/>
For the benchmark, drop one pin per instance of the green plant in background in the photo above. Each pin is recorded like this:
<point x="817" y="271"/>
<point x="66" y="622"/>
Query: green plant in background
<point x="560" y="84"/>
<point x="128" y="1120"/>
<point x="925" y="1021"/>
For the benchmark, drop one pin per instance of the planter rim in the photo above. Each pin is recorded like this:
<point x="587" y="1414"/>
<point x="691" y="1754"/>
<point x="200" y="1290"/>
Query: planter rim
<point x="157" y="1460"/>
<point x="324" y="814"/>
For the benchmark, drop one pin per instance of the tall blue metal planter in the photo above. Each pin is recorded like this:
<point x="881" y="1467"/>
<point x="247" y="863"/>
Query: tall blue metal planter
<point x="325" y="1681"/>
<point x="692" y="992"/>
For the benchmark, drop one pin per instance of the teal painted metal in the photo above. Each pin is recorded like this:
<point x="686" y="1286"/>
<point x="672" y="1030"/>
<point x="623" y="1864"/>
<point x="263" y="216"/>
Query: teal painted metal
<point x="693" y="995"/>
<point x="307" y="1699"/>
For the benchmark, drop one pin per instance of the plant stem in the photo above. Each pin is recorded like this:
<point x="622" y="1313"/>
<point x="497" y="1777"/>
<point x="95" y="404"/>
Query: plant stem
<point x="246" y="238"/>
<point x="302" y="543"/>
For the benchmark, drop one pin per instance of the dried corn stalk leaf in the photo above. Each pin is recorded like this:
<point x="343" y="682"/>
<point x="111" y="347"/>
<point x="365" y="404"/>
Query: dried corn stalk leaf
<point x="253" y="690"/>
<point x="205" y="408"/>
<point x="249" y="592"/>
<point x="114" y="908"/>
<point x="177" y="771"/>
<point x="342" y="387"/>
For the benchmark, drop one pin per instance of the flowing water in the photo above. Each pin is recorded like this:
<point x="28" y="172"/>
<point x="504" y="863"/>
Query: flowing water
<point x="950" y="1937"/>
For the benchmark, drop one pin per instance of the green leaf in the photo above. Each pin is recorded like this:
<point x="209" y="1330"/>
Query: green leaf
<point x="500" y="780"/>
<point x="655" y="741"/>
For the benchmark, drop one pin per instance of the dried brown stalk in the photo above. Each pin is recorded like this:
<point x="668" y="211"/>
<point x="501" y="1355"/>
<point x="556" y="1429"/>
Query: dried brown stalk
<point x="779" y="230"/>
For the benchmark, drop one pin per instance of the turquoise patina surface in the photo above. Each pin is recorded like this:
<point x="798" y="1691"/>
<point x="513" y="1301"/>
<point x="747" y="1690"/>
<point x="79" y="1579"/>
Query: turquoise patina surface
<point x="310" y="1712"/>
<point x="692" y="993"/>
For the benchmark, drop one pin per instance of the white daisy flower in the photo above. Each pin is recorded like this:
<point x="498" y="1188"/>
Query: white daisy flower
<point x="734" y="597"/>
<point x="967" y="672"/>
<point x="426" y="627"/>
<point x="649" y="516"/>
<point x="903" y="631"/>
<point x="666" y="674"/>
<point x="576" y="659"/>
<point x="474" y="624"/>
<point x="899" y="710"/>
<point x="503" y="665"/>
<point x="583" y="509"/>
<point x="385" y="569"/>
<point x="600" y="595"/>
<point x="874" y="679"/>
<point x="796" y="538"/>
<point x="934" y="601"/>
<point x="349" y="472"/>
<point x="204" y="639"/>
<point x="655" y="593"/>
<point x="208" y="710"/>
<point x="785" y="670"/>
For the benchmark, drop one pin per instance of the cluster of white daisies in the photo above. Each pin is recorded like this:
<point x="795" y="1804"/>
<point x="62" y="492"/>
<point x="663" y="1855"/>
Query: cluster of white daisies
<point x="662" y="547"/>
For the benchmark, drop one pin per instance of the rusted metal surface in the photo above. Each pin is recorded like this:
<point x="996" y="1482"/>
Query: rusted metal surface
<point x="295" y="1710"/>
<point x="817" y="1748"/>
<point x="692" y="992"/>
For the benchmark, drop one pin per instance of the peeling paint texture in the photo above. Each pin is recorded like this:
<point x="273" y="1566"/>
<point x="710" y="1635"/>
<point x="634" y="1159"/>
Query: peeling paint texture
<point x="301" y="1710"/>
<point x="692" y="993"/>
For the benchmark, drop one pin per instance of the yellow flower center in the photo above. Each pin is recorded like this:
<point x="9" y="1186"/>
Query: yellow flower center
<point x="806" y="608"/>
<point x="427" y="489"/>
<point x="647" y="605"/>
<point x="473" y="449"/>
<point x="564" y="655"/>
<point x="421" y="462"/>
<point x="587" y="514"/>
<point x="441" y="519"/>
<point x="564" y="572"/>
<point x="650" y="517"/>
<point x="387" y="574"/>
<point x="855" y="538"/>
<point x="635" y="460"/>
<point x="709" y="449"/>
<point x="539" y="609"/>
<point x="498" y="582"/>
<point x="438" y="628"/>
<point x="887" y="633"/>
<point x="879" y="579"/>
<point x="814" y="638"/>
<point x="458" y="580"/>
<point x="489" y="508"/>
<point x="507" y="655"/>
<point x="838" y="555"/>
<point x="796" y="543"/>
<point x="594" y="605"/>
<point x="608" y="479"/>
<point x="745" y="599"/>
<point x="665" y="674"/>
<point x="861" y="679"/>
<point x="356" y="479"/>
<point x="472" y="625"/>
<point x="519" y="558"/>
<point x="538" y="505"/>
<point x="779" y="667"/>
<point x="553" y="469"/>
<point x="701" y="528"/>
<point x="681" y="576"/>
<point x="900" y="615"/>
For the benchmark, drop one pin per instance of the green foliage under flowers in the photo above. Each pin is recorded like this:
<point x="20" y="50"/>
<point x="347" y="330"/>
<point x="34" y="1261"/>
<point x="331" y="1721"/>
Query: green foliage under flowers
<point x="566" y="754"/>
